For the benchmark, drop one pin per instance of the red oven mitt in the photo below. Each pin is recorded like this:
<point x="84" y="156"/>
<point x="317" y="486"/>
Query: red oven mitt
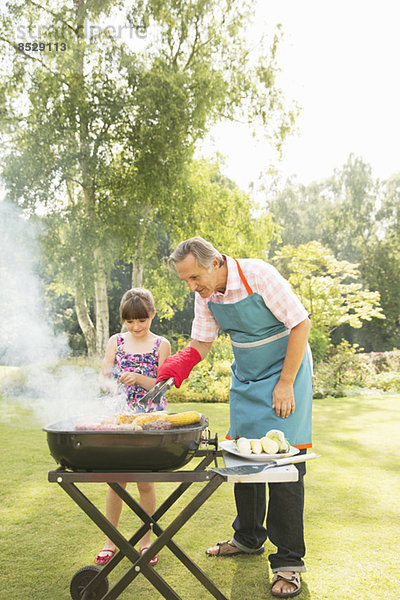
<point x="179" y="365"/>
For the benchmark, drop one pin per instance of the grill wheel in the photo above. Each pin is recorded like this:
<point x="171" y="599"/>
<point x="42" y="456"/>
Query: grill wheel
<point x="82" y="578"/>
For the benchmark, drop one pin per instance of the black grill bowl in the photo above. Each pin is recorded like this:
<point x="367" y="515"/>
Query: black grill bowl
<point x="87" y="450"/>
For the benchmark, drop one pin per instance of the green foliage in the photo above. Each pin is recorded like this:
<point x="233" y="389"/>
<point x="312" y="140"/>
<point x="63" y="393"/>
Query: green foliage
<point x="350" y="222"/>
<point x="357" y="218"/>
<point x="347" y="367"/>
<point x="384" y="362"/>
<point x="381" y="264"/>
<point x="388" y="382"/>
<point x="210" y="379"/>
<point x="325" y="287"/>
<point x="340" y="370"/>
<point x="339" y="211"/>
<point x="224" y="214"/>
<point x="100" y="136"/>
<point x="217" y="210"/>
<point x="319" y="341"/>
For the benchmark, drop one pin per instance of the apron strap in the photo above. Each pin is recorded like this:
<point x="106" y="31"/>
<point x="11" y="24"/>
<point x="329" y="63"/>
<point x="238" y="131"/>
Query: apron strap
<point x="243" y="278"/>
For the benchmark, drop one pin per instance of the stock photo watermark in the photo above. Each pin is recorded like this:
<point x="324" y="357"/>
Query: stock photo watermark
<point x="90" y="31"/>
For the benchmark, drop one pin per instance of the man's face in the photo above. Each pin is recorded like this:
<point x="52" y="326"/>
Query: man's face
<point x="198" y="278"/>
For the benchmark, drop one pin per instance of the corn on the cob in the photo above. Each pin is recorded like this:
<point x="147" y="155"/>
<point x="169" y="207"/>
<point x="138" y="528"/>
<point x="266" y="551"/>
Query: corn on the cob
<point x="122" y="418"/>
<point x="148" y="417"/>
<point x="186" y="418"/>
<point x="178" y="420"/>
<point x="133" y="418"/>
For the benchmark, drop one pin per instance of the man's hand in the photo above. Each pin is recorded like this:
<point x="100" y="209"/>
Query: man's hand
<point x="179" y="365"/>
<point x="283" y="396"/>
<point x="283" y="399"/>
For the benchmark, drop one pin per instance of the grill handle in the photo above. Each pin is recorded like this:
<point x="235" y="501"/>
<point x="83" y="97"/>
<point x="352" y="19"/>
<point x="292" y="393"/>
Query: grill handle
<point x="160" y="388"/>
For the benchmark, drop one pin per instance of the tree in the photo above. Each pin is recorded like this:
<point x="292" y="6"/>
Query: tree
<point x="357" y="217"/>
<point x="339" y="211"/>
<point x="381" y="266"/>
<point x="350" y="223"/>
<point x="299" y="211"/>
<point x="221" y="213"/>
<point x="328" y="288"/>
<point x="99" y="135"/>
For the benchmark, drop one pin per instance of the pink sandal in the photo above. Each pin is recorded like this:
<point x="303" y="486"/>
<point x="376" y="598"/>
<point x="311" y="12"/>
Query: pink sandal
<point x="103" y="560"/>
<point x="154" y="560"/>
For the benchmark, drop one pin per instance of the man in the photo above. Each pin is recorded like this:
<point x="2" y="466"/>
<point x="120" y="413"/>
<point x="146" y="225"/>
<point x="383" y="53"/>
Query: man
<point x="271" y="388"/>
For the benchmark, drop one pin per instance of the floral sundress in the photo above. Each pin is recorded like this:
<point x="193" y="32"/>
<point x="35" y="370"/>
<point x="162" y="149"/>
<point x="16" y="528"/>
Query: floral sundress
<point x="145" y="364"/>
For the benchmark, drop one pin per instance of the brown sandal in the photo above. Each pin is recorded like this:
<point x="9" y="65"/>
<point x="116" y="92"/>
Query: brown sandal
<point x="292" y="577"/>
<point x="228" y="548"/>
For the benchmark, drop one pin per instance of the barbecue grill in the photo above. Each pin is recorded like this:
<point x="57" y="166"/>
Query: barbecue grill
<point x="116" y="457"/>
<point x="119" y="456"/>
<point x="90" y="450"/>
<point x="91" y="582"/>
<point x="105" y="449"/>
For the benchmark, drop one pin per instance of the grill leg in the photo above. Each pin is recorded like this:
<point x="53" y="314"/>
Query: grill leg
<point x="165" y="539"/>
<point x="126" y="549"/>
<point x="160" y="511"/>
<point x="140" y="563"/>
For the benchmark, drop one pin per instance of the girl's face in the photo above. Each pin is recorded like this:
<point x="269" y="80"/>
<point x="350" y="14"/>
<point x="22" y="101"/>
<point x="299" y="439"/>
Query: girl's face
<point x="139" y="327"/>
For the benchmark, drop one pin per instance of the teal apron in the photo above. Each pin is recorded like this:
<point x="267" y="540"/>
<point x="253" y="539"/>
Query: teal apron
<point x="259" y="343"/>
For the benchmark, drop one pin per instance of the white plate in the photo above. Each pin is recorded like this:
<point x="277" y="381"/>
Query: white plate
<point x="229" y="446"/>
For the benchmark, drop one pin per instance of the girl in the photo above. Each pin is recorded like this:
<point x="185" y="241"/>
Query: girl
<point x="130" y="365"/>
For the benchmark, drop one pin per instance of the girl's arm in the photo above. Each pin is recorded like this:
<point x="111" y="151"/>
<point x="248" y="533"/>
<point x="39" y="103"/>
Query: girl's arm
<point x="106" y="383"/>
<point x="144" y="381"/>
<point x="163" y="351"/>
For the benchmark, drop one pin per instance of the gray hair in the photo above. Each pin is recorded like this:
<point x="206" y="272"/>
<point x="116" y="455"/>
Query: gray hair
<point x="203" y="251"/>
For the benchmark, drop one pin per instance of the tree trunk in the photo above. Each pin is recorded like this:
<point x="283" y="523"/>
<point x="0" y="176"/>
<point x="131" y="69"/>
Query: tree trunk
<point x="101" y="302"/>
<point x="138" y="258"/>
<point x="84" y="320"/>
<point x="137" y="273"/>
<point x="89" y="187"/>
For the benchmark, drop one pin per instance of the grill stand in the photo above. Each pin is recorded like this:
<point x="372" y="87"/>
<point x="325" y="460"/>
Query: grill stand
<point x="212" y="481"/>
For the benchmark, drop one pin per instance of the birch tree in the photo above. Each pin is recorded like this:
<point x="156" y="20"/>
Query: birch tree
<point x="98" y="130"/>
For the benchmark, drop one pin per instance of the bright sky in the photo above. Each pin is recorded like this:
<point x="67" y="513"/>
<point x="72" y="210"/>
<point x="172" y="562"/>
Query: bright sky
<point x="340" y="60"/>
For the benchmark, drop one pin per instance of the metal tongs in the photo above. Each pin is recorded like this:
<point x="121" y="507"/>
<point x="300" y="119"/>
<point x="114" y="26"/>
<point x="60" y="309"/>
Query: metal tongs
<point x="154" y="395"/>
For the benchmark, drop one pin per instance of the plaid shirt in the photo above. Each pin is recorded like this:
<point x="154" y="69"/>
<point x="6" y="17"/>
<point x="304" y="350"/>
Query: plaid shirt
<point x="264" y="280"/>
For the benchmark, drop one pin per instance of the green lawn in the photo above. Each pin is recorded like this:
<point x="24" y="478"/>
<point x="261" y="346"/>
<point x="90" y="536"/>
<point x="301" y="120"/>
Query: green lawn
<point x="351" y="518"/>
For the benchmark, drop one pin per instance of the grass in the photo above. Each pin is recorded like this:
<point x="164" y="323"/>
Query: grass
<point x="351" y="515"/>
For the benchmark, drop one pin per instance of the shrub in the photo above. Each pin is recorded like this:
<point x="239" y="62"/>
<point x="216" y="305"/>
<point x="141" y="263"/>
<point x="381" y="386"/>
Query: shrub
<point x="384" y="362"/>
<point x="388" y="382"/>
<point x="210" y="379"/>
<point x="346" y="367"/>
<point x="324" y="382"/>
<point x="339" y="371"/>
<point x="319" y="342"/>
<point x="208" y="382"/>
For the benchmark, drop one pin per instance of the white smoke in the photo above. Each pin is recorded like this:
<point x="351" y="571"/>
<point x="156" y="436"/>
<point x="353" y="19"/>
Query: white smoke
<point x="27" y="339"/>
<point x="25" y="334"/>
